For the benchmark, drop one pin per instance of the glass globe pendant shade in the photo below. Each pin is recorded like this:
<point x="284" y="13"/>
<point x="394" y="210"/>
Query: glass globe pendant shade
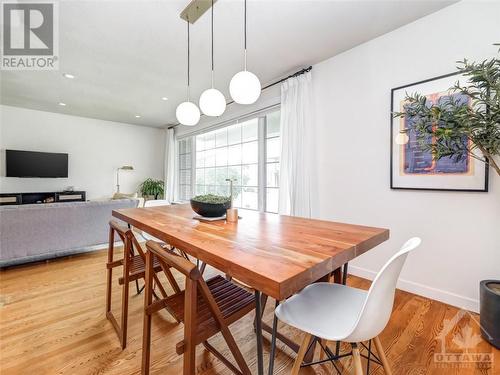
<point x="245" y="87"/>
<point x="212" y="102"/>
<point x="402" y="139"/>
<point x="187" y="113"/>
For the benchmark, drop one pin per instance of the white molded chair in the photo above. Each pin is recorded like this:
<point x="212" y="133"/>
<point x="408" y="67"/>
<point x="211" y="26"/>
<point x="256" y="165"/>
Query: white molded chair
<point x="336" y="312"/>
<point x="156" y="202"/>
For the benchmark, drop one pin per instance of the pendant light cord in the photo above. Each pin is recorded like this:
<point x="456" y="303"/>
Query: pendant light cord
<point x="188" y="66"/>
<point x="245" y="34"/>
<point x="212" y="27"/>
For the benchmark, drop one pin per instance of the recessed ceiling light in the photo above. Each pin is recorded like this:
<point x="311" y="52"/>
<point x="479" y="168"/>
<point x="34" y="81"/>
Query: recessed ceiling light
<point x="164" y="98"/>
<point x="62" y="104"/>
<point x="137" y="116"/>
<point x="69" y="76"/>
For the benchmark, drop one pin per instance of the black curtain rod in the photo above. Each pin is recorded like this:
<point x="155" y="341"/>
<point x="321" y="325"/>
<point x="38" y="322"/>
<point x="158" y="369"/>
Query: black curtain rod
<point x="296" y="74"/>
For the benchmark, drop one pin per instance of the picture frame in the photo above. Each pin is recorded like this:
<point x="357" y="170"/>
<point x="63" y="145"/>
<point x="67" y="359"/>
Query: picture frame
<point x="411" y="168"/>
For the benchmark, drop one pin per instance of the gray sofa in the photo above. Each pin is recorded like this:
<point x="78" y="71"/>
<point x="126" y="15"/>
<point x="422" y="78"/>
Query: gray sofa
<point x="41" y="231"/>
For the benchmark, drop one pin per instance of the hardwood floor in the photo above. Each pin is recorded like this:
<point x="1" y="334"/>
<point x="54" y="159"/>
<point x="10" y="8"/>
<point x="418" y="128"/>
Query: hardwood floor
<point x="52" y="322"/>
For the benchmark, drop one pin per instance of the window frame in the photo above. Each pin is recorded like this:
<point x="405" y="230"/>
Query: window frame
<point x="262" y="163"/>
<point x="179" y="168"/>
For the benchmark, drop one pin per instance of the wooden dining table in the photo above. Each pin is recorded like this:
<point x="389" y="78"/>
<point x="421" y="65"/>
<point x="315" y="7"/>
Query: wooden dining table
<point x="276" y="255"/>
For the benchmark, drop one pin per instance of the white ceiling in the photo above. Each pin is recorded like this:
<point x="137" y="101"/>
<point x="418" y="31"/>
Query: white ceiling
<point x="127" y="55"/>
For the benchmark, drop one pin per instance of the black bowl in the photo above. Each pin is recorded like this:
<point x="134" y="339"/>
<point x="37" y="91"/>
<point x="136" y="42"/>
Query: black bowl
<point x="210" y="209"/>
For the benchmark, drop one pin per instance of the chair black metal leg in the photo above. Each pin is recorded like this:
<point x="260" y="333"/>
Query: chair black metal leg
<point x="369" y="355"/>
<point x="273" y="341"/>
<point x="330" y="356"/>
<point x="258" y="333"/>
<point x="344" y="281"/>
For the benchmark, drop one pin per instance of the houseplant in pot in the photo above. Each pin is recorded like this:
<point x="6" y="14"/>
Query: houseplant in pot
<point x="449" y="123"/>
<point x="152" y="188"/>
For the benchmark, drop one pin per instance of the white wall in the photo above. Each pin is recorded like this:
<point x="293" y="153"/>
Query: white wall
<point x="95" y="147"/>
<point x="460" y="231"/>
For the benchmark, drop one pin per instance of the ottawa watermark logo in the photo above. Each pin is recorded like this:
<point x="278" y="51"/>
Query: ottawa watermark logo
<point x="30" y="35"/>
<point x="459" y="344"/>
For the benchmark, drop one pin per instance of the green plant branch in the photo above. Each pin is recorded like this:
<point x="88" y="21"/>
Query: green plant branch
<point x="457" y="130"/>
<point x="490" y="160"/>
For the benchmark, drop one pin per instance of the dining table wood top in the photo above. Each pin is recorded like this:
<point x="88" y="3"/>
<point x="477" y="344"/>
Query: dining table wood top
<point x="275" y="254"/>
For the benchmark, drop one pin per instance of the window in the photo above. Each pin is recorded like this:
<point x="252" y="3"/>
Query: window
<point x="273" y="152"/>
<point x="247" y="152"/>
<point x="185" y="166"/>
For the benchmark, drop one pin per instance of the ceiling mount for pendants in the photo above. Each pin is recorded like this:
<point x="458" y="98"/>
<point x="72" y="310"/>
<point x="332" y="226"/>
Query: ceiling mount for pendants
<point x="196" y="9"/>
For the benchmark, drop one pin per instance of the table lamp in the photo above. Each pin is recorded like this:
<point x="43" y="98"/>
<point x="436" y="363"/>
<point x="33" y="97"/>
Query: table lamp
<point x="125" y="168"/>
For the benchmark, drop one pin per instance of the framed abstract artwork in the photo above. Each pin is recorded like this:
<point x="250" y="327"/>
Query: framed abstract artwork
<point x="412" y="167"/>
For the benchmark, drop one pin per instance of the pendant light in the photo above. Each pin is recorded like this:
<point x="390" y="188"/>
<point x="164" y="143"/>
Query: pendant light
<point x="245" y="86"/>
<point x="212" y="101"/>
<point x="402" y="138"/>
<point x="187" y="113"/>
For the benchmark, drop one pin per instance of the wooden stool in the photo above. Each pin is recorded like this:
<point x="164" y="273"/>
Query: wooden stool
<point x="133" y="270"/>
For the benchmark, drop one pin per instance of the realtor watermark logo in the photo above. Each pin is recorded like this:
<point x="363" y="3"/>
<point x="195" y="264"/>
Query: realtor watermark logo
<point x="30" y="35"/>
<point x="463" y="348"/>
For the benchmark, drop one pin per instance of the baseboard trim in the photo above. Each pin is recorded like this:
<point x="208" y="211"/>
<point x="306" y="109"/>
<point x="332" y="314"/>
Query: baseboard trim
<point x="60" y="254"/>
<point x="449" y="298"/>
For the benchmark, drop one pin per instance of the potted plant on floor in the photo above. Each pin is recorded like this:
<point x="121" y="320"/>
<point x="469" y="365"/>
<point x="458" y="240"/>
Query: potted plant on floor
<point x="449" y="122"/>
<point x="152" y="189"/>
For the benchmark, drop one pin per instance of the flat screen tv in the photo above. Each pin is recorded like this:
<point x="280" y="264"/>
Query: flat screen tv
<point x="35" y="164"/>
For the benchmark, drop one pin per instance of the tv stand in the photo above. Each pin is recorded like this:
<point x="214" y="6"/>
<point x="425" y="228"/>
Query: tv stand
<point x="41" y="198"/>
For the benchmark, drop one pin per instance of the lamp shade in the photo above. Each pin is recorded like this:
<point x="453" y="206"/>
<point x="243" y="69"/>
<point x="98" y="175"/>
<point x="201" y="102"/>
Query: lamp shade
<point x="212" y="102"/>
<point x="245" y="87"/>
<point x="401" y="139"/>
<point x="187" y="113"/>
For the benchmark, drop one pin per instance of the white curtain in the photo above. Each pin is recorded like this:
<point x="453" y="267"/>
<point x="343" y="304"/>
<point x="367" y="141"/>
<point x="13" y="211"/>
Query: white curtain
<point x="170" y="175"/>
<point x="297" y="149"/>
